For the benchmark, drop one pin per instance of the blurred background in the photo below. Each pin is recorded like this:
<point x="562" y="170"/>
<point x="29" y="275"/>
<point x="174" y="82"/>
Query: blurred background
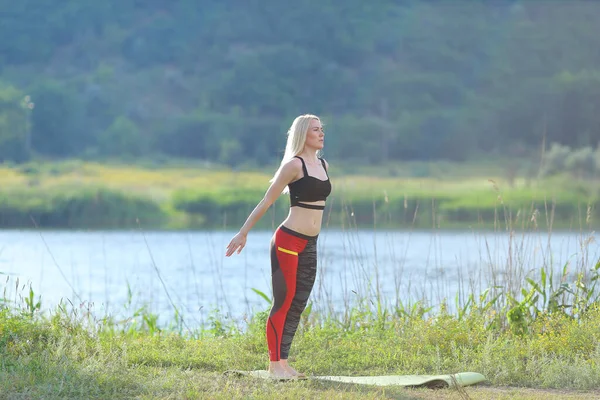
<point x="416" y="89"/>
<point x="131" y="116"/>
<point x="221" y="80"/>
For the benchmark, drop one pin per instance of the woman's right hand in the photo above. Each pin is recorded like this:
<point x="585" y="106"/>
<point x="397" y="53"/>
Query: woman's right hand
<point x="237" y="244"/>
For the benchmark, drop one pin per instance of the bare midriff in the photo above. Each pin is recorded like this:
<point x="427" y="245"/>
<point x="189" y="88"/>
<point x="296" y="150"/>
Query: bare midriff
<point x="305" y="220"/>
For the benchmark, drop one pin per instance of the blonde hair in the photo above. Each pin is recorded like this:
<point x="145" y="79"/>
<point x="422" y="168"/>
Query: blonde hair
<point x="296" y="137"/>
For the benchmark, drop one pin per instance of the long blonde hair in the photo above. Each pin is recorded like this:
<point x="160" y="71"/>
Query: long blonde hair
<point x="296" y="137"/>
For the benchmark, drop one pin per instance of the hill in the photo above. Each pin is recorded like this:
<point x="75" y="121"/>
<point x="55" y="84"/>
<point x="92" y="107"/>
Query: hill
<point x="221" y="80"/>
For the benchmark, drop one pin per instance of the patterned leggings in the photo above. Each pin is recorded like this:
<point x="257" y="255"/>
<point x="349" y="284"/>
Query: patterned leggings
<point x="293" y="273"/>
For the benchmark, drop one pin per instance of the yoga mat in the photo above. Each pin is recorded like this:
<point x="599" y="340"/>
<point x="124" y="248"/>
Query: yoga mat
<point x="460" y="379"/>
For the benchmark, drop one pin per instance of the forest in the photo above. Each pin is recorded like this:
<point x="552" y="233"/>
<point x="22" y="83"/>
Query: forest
<point x="221" y="81"/>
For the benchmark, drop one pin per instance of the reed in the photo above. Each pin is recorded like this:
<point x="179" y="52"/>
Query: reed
<point x="70" y="353"/>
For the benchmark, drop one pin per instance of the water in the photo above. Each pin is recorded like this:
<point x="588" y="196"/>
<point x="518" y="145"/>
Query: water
<point x="189" y="270"/>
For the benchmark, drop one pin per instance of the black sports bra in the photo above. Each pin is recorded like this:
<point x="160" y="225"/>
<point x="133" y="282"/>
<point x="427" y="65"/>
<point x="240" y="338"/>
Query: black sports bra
<point x="309" y="189"/>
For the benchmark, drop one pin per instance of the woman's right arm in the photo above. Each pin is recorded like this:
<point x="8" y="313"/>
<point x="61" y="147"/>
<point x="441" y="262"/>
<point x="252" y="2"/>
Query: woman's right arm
<point x="285" y="175"/>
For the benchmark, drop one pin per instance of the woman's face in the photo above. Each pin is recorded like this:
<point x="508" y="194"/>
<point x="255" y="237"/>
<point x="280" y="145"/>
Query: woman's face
<point x="315" y="136"/>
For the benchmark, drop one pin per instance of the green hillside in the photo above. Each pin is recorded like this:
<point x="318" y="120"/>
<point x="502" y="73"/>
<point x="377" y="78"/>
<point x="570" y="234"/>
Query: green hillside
<point x="221" y="80"/>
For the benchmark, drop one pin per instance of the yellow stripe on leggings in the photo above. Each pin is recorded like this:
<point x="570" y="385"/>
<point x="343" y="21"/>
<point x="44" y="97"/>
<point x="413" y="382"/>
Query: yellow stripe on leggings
<point x="287" y="251"/>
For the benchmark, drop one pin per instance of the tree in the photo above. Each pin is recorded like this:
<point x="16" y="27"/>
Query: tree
<point x="15" y="109"/>
<point x="122" y="138"/>
<point x="57" y="121"/>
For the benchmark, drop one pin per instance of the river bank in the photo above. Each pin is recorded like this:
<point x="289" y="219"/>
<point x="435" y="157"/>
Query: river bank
<point x="68" y="354"/>
<point x="80" y="195"/>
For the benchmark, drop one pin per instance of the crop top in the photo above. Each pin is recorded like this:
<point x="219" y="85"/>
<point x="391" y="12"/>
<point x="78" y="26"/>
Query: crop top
<point x="309" y="189"/>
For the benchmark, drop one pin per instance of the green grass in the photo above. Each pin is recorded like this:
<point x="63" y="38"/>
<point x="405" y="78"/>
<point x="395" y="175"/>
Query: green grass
<point x="549" y="348"/>
<point x="190" y="196"/>
<point x="63" y="357"/>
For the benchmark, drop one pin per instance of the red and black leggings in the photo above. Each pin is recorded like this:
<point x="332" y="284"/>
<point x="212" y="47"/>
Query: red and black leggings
<point x="293" y="272"/>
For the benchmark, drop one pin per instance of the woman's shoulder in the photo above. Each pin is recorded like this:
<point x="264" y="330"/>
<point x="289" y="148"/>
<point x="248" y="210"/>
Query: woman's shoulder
<point x="325" y="161"/>
<point x="293" y="164"/>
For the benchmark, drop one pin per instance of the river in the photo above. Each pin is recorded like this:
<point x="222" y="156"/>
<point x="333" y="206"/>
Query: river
<point x="116" y="273"/>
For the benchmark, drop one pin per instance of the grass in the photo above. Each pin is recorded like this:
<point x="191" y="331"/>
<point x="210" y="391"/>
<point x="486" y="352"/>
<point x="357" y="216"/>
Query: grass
<point x="71" y="354"/>
<point x="192" y="196"/>
<point x="532" y="339"/>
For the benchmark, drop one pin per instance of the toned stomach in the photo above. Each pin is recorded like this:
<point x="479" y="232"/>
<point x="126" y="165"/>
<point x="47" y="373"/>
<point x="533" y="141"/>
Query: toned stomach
<point x="304" y="220"/>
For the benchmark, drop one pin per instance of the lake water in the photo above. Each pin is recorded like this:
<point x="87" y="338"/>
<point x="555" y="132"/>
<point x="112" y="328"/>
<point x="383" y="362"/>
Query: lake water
<point x="189" y="270"/>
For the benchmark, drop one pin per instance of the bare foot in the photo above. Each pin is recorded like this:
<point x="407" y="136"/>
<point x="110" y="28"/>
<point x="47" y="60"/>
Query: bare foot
<point x="292" y="370"/>
<point x="278" y="370"/>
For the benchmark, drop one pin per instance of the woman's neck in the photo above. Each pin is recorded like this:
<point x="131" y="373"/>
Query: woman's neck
<point x="310" y="157"/>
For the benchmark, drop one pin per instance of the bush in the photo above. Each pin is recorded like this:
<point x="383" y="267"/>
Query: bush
<point x="78" y="208"/>
<point x="580" y="163"/>
<point x="224" y="205"/>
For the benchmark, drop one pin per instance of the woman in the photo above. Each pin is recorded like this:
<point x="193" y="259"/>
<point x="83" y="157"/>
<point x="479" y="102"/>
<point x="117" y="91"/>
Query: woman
<point x="294" y="245"/>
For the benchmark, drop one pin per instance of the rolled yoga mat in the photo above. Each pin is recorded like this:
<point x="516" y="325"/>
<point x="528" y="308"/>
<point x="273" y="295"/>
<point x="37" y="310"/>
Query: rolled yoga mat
<point x="460" y="379"/>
